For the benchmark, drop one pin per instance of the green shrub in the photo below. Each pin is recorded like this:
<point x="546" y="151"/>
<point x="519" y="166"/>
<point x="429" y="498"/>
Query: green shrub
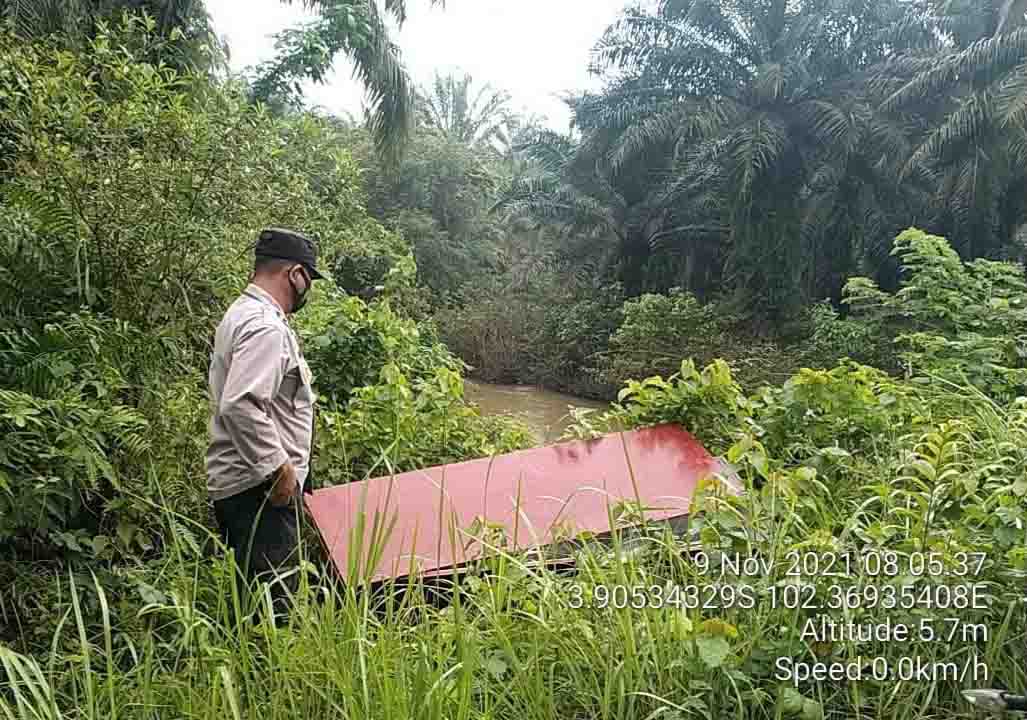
<point x="850" y="406"/>
<point x="59" y="472"/>
<point x="658" y="331"/>
<point x="90" y="413"/>
<point x="545" y="329"/>
<point x="833" y="338"/>
<point x="348" y="342"/>
<point x="575" y="334"/>
<point x="138" y="190"/>
<point x="964" y="322"/>
<point x="707" y="403"/>
<point x="91" y="354"/>
<point x="492" y="329"/>
<point x="400" y="423"/>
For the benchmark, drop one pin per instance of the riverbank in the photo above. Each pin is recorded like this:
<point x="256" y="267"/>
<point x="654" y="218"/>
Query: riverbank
<point x="589" y="344"/>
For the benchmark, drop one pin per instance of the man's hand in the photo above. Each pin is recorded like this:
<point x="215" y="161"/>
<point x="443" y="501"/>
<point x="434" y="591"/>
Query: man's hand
<point x="284" y="485"/>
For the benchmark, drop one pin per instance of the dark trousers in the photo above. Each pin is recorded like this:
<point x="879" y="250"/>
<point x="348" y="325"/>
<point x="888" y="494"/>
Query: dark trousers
<point x="264" y="539"/>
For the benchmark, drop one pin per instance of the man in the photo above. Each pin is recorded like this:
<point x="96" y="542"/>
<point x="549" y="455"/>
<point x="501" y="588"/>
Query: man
<point x="262" y="411"/>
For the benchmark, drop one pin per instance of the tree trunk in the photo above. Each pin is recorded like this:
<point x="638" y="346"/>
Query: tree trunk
<point x="633" y="262"/>
<point x="690" y="268"/>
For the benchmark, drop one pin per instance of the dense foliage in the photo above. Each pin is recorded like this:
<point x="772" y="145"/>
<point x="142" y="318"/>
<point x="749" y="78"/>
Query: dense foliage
<point x="714" y="246"/>
<point x="190" y="42"/>
<point x="770" y="150"/>
<point x="966" y="322"/>
<point x="849" y="461"/>
<point x="131" y="196"/>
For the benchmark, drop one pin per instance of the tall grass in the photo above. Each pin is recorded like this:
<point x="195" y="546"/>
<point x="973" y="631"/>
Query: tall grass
<point x="517" y="638"/>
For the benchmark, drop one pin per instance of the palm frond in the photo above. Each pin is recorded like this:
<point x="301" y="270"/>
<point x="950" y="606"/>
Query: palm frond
<point x="550" y="149"/>
<point x="679" y="52"/>
<point x="627" y="101"/>
<point x="754" y="149"/>
<point x="912" y="31"/>
<point x="1011" y="15"/>
<point x="682" y="121"/>
<point x="29" y="19"/>
<point x="449" y="109"/>
<point x="836" y="130"/>
<point x="359" y="31"/>
<point x="1012" y="98"/>
<point x="712" y="18"/>
<point x="993" y="55"/>
<point x="396" y="8"/>
<point x="967" y="124"/>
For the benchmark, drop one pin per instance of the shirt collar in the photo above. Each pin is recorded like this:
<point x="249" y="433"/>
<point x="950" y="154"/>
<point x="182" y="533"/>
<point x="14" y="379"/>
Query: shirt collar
<point x="261" y="295"/>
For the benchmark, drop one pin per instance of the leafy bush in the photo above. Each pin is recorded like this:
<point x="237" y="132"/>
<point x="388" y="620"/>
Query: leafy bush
<point x="138" y="189"/>
<point x="89" y="354"/>
<point x="850" y="406"/>
<point x="91" y="418"/>
<point x="707" y="403"/>
<point x="401" y="423"/>
<point x="348" y="342"/>
<point x="833" y="338"/>
<point x="965" y="322"/>
<point x="493" y="330"/>
<point x="716" y="659"/>
<point x="658" y="332"/>
<point x="545" y="329"/>
<point x="569" y="352"/>
<point x="58" y="462"/>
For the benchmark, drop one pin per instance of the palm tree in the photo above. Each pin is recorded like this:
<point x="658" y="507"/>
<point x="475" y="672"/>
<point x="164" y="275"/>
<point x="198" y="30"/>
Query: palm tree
<point x="606" y="220"/>
<point x="450" y="109"/>
<point x="743" y="124"/>
<point x="356" y="28"/>
<point x="972" y="94"/>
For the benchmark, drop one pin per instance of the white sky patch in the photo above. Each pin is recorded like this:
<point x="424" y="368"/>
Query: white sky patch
<point x="537" y="50"/>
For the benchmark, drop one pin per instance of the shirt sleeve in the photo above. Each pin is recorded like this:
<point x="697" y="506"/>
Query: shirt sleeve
<point x="254" y="376"/>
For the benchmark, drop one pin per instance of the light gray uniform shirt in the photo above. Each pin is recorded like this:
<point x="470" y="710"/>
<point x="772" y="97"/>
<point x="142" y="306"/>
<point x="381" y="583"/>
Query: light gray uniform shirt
<point x="262" y="403"/>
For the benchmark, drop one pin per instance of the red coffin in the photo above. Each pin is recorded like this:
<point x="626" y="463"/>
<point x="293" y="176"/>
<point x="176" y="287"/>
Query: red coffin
<point x="537" y="496"/>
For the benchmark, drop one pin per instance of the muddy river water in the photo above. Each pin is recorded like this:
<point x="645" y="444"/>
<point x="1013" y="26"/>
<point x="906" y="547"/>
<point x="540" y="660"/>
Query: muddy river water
<point x="544" y="411"/>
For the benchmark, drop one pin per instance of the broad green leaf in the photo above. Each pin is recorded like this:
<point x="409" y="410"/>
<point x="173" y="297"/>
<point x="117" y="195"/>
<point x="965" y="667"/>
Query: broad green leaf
<point x="496" y="666"/>
<point x="712" y="650"/>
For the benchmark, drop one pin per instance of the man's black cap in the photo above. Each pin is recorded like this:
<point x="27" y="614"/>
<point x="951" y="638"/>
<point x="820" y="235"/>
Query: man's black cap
<point x="286" y="244"/>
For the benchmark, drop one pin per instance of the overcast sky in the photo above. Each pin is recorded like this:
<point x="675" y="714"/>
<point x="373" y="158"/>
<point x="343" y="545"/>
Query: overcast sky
<point x="534" y="49"/>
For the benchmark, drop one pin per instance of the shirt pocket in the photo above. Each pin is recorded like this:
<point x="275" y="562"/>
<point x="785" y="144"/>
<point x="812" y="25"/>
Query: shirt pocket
<point x="304" y="391"/>
<point x="304" y="397"/>
<point x="294" y="391"/>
